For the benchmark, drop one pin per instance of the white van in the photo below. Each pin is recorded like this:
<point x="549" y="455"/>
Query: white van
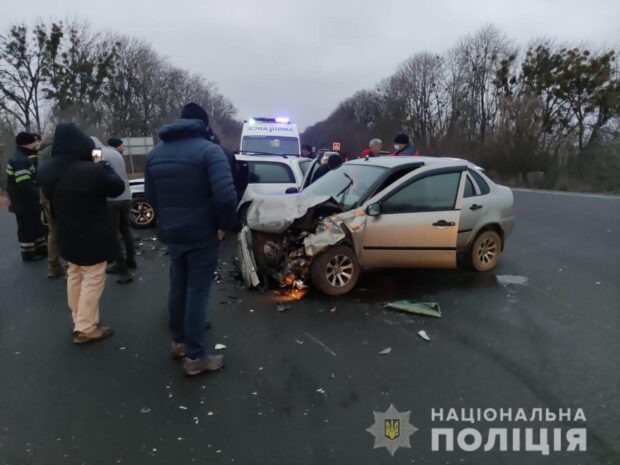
<point x="270" y="136"/>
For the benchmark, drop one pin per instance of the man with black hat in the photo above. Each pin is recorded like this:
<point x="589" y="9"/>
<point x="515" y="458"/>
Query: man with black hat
<point x="189" y="183"/>
<point x="24" y="196"/>
<point x="117" y="144"/>
<point x="402" y="145"/>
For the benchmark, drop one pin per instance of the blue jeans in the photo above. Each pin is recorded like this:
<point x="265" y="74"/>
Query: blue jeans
<point x="191" y="273"/>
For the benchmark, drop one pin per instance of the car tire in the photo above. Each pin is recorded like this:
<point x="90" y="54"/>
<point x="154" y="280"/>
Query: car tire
<point x="336" y="271"/>
<point x="141" y="214"/>
<point x="485" y="251"/>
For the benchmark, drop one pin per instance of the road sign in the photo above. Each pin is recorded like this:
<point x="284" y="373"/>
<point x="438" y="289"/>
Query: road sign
<point x="336" y="146"/>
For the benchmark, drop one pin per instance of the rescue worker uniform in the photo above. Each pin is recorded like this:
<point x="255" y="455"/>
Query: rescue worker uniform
<point x="24" y="196"/>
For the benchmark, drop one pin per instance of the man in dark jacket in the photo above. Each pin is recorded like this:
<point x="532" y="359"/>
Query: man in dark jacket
<point x="189" y="183"/>
<point x="402" y="146"/>
<point x="24" y="196"/>
<point x="78" y="190"/>
<point x="333" y="162"/>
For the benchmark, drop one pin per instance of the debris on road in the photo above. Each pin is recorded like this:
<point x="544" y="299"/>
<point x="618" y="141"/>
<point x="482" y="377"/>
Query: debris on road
<point x="182" y="407"/>
<point x="320" y="391"/>
<point x="419" y="308"/>
<point x="220" y="346"/>
<point x="145" y="410"/>
<point x="327" y="349"/>
<point x="508" y="279"/>
<point x="423" y="335"/>
<point x="282" y="307"/>
<point x="299" y="342"/>
<point x="385" y="351"/>
<point x="332" y="310"/>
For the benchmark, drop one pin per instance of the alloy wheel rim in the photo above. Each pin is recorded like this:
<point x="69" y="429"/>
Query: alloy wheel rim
<point x="142" y="213"/>
<point x="339" y="271"/>
<point x="487" y="251"/>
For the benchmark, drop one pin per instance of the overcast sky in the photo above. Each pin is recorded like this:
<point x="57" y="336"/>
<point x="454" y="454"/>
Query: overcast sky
<point x="301" y="57"/>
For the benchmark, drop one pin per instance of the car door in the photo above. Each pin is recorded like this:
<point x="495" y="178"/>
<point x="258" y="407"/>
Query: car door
<point x="418" y="223"/>
<point x="472" y="209"/>
<point x="268" y="177"/>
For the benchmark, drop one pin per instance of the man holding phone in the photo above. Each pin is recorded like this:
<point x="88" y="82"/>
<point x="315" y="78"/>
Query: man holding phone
<point x="188" y="181"/>
<point x="78" y="190"/>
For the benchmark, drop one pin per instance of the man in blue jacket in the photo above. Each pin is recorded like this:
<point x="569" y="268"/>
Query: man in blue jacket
<point x="189" y="183"/>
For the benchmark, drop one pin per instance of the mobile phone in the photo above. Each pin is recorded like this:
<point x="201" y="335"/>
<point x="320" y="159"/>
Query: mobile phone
<point x="96" y="155"/>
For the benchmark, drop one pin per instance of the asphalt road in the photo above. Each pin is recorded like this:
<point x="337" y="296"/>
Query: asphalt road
<point x="301" y="386"/>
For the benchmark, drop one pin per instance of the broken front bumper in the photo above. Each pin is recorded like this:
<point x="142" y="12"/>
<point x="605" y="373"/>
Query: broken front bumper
<point x="247" y="262"/>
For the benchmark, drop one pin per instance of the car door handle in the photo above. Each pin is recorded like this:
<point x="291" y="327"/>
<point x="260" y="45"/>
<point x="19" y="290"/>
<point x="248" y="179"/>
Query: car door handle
<point x="443" y="224"/>
<point x="475" y="207"/>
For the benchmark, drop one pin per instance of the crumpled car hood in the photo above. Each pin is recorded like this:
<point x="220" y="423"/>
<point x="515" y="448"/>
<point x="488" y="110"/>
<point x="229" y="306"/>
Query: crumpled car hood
<point x="275" y="214"/>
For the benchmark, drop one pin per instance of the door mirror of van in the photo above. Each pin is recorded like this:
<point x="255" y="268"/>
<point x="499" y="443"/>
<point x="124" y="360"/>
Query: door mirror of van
<point x="291" y="190"/>
<point x="374" y="209"/>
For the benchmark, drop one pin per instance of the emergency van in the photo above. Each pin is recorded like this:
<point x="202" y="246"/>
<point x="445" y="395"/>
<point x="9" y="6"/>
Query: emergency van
<point x="270" y="136"/>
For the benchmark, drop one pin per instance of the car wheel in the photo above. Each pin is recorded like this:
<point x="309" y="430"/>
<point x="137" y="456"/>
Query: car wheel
<point x="336" y="271"/>
<point x="485" y="251"/>
<point x="141" y="213"/>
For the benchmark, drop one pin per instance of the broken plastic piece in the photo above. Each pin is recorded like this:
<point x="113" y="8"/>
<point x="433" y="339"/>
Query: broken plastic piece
<point x="219" y="346"/>
<point x="420" y="308"/>
<point x="385" y="351"/>
<point x="423" y="335"/>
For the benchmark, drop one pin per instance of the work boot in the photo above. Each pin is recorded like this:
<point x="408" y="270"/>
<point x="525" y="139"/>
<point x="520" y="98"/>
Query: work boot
<point x="178" y="350"/>
<point x="55" y="270"/>
<point x="97" y="334"/>
<point x="205" y="363"/>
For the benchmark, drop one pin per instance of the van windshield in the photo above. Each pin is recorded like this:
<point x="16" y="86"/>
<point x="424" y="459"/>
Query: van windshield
<point x="270" y="144"/>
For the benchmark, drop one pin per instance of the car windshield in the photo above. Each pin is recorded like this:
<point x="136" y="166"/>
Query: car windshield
<point x="270" y="145"/>
<point x="346" y="184"/>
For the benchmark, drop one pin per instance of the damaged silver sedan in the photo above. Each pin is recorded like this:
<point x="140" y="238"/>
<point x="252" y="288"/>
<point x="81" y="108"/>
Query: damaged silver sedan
<point x="385" y="212"/>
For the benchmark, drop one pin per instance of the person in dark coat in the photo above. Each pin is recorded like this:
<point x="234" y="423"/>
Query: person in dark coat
<point x="403" y="146"/>
<point x="78" y="190"/>
<point x="24" y="197"/>
<point x="194" y="111"/>
<point x="189" y="183"/>
<point x="333" y="162"/>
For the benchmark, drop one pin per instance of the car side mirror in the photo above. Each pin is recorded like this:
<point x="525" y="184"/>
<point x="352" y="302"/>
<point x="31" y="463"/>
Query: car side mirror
<point x="374" y="209"/>
<point x="291" y="190"/>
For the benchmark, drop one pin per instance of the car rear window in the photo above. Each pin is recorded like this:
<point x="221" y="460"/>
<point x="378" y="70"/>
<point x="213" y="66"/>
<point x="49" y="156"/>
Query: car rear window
<point x="482" y="184"/>
<point x="269" y="173"/>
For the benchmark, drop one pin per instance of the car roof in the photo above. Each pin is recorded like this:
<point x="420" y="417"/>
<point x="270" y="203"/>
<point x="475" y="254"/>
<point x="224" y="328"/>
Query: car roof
<point x="395" y="161"/>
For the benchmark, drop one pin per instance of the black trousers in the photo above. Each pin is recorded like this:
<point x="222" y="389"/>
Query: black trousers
<point x="118" y="212"/>
<point x="31" y="233"/>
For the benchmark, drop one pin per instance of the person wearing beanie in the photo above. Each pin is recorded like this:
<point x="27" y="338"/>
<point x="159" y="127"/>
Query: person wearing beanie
<point x="78" y="189"/>
<point x="402" y="146"/>
<point x="194" y="111"/>
<point x="189" y="183"/>
<point x="24" y="197"/>
<point x="333" y="161"/>
<point x="117" y="144"/>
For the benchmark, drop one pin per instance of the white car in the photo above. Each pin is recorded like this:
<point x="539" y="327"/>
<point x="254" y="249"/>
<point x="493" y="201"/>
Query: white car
<point x="269" y="175"/>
